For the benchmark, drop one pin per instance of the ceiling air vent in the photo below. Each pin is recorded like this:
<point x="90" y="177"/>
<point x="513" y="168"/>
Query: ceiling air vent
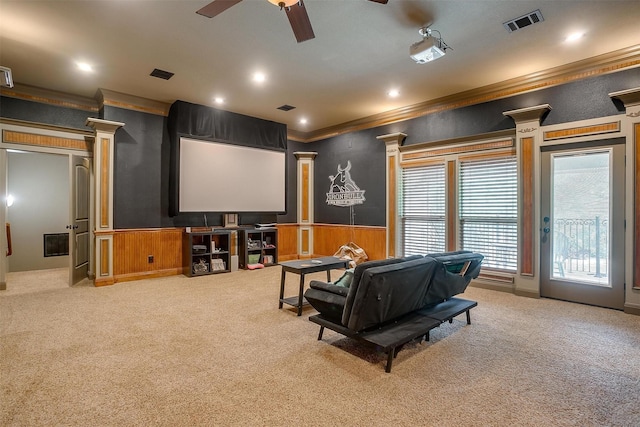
<point x="524" y="21"/>
<point x="161" y="74"/>
<point x="286" y="107"/>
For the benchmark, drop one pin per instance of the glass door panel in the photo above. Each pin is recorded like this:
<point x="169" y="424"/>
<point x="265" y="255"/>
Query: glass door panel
<point x="582" y="222"/>
<point x="581" y="201"/>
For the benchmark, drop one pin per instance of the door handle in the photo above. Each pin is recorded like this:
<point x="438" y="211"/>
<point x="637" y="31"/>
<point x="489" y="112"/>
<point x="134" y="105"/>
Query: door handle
<point x="546" y="229"/>
<point x="8" y="230"/>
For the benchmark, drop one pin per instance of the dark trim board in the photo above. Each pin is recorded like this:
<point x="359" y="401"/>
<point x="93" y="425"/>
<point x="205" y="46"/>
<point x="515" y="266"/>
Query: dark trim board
<point x="391" y="337"/>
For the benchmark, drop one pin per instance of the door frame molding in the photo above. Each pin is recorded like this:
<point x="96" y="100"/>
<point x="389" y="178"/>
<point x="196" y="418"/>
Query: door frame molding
<point x="625" y="125"/>
<point x="25" y="136"/>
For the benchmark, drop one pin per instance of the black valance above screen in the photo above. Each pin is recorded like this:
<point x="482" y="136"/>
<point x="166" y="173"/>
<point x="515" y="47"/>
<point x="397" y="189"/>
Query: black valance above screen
<point x="210" y="123"/>
<point x="207" y="123"/>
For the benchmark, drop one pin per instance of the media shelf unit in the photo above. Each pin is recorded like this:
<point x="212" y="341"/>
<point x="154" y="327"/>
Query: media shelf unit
<point x="257" y="245"/>
<point x="206" y="252"/>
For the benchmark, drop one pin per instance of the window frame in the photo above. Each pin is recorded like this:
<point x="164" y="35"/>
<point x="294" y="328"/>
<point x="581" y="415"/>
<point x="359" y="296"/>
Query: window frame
<point x="450" y="154"/>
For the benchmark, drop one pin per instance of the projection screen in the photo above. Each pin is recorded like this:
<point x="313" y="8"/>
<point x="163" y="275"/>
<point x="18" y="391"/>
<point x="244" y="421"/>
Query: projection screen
<point x="219" y="177"/>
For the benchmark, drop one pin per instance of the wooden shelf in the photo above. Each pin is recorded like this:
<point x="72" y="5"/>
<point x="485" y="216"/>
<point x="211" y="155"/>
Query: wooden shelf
<point x="266" y="246"/>
<point x="196" y="263"/>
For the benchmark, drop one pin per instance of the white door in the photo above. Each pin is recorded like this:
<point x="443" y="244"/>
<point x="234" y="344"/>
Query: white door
<point x="79" y="231"/>
<point x="582" y="229"/>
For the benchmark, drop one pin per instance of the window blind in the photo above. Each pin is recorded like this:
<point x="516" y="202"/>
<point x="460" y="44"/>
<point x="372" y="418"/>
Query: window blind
<point x="423" y="209"/>
<point x="488" y="210"/>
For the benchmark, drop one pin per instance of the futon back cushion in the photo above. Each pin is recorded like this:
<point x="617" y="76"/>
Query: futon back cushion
<point x="388" y="292"/>
<point x="455" y="271"/>
<point x="357" y="274"/>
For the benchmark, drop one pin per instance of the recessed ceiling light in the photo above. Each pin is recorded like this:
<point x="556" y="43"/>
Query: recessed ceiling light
<point x="574" y="37"/>
<point x="393" y="93"/>
<point x="83" y="66"/>
<point x="303" y="121"/>
<point x="259" y="77"/>
<point x="218" y="100"/>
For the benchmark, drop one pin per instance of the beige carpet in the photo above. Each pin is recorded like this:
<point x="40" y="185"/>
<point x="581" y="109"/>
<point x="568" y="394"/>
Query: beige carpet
<point x="217" y="351"/>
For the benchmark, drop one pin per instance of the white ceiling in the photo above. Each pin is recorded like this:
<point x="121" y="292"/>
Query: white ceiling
<point x="361" y="50"/>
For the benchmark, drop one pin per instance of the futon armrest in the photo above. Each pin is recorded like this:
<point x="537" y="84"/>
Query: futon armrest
<point x="329" y="287"/>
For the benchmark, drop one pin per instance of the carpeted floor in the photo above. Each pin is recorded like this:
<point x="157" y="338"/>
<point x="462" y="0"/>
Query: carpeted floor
<point x="217" y="351"/>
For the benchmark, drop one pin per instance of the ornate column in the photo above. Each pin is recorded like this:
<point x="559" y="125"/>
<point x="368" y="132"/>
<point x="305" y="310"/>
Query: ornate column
<point x="103" y="157"/>
<point x="393" y="142"/>
<point x="631" y="128"/>
<point x="4" y="244"/>
<point x="528" y="135"/>
<point x="305" y="202"/>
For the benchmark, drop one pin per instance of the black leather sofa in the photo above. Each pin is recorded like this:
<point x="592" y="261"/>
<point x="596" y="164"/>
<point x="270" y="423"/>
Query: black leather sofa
<point x="391" y="302"/>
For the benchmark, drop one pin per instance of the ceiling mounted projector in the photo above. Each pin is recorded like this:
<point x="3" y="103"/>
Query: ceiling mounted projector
<point x="427" y="49"/>
<point x="5" y="77"/>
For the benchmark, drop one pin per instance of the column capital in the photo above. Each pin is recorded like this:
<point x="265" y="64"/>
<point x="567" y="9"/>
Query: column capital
<point x="305" y="155"/>
<point x="528" y="114"/>
<point x="393" y="138"/>
<point x="100" y="125"/>
<point x="629" y="97"/>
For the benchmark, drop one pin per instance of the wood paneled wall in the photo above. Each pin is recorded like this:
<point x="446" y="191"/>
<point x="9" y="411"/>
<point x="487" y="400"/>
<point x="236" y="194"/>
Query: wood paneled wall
<point x="527" y="195"/>
<point x="131" y="249"/>
<point x="287" y="242"/>
<point x="327" y="239"/>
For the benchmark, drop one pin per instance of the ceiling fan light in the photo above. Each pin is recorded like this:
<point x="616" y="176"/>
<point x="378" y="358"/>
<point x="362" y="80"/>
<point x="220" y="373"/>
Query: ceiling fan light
<point x="283" y="3"/>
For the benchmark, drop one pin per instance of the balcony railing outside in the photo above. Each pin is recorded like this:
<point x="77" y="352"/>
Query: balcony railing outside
<point x="581" y="249"/>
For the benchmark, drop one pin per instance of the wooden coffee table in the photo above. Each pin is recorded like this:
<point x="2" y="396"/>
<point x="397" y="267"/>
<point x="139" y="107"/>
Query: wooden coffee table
<point x="303" y="267"/>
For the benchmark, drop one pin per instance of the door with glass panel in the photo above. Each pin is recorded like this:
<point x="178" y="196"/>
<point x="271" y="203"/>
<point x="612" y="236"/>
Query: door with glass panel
<point x="582" y="223"/>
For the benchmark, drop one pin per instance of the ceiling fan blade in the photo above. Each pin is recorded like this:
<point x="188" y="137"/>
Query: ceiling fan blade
<point x="380" y="1"/>
<point x="300" y="23"/>
<point x="216" y="7"/>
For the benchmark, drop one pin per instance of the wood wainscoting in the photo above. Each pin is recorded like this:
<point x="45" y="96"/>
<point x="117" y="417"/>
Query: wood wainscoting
<point x="327" y="239"/>
<point x="287" y="242"/>
<point x="132" y="248"/>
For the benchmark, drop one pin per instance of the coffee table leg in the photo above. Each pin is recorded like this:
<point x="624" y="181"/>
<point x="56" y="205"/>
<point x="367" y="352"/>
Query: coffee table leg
<point x="300" y="295"/>
<point x="281" y="288"/>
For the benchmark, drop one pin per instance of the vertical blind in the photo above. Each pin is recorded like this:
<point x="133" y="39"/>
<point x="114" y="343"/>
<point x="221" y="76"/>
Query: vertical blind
<point x="423" y="209"/>
<point x="488" y="209"/>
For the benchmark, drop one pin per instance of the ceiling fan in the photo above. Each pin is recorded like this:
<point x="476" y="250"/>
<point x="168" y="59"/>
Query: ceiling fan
<point x="296" y="12"/>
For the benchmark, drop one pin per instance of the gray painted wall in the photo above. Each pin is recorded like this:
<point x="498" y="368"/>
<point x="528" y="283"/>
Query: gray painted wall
<point x="142" y="155"/>
<point x="39" y="183"/>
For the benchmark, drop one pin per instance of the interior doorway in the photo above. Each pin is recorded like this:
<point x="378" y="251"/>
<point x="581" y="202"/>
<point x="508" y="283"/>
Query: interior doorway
<point x="582" y="229"/>
<point x="49" y="218"/>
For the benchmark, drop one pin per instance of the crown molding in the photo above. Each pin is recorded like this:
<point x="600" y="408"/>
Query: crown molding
<point x="598" y="65"/>
<point x="52" y="97"/>
<point x="295" y="135"/>
<point x="131" y="102"/>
